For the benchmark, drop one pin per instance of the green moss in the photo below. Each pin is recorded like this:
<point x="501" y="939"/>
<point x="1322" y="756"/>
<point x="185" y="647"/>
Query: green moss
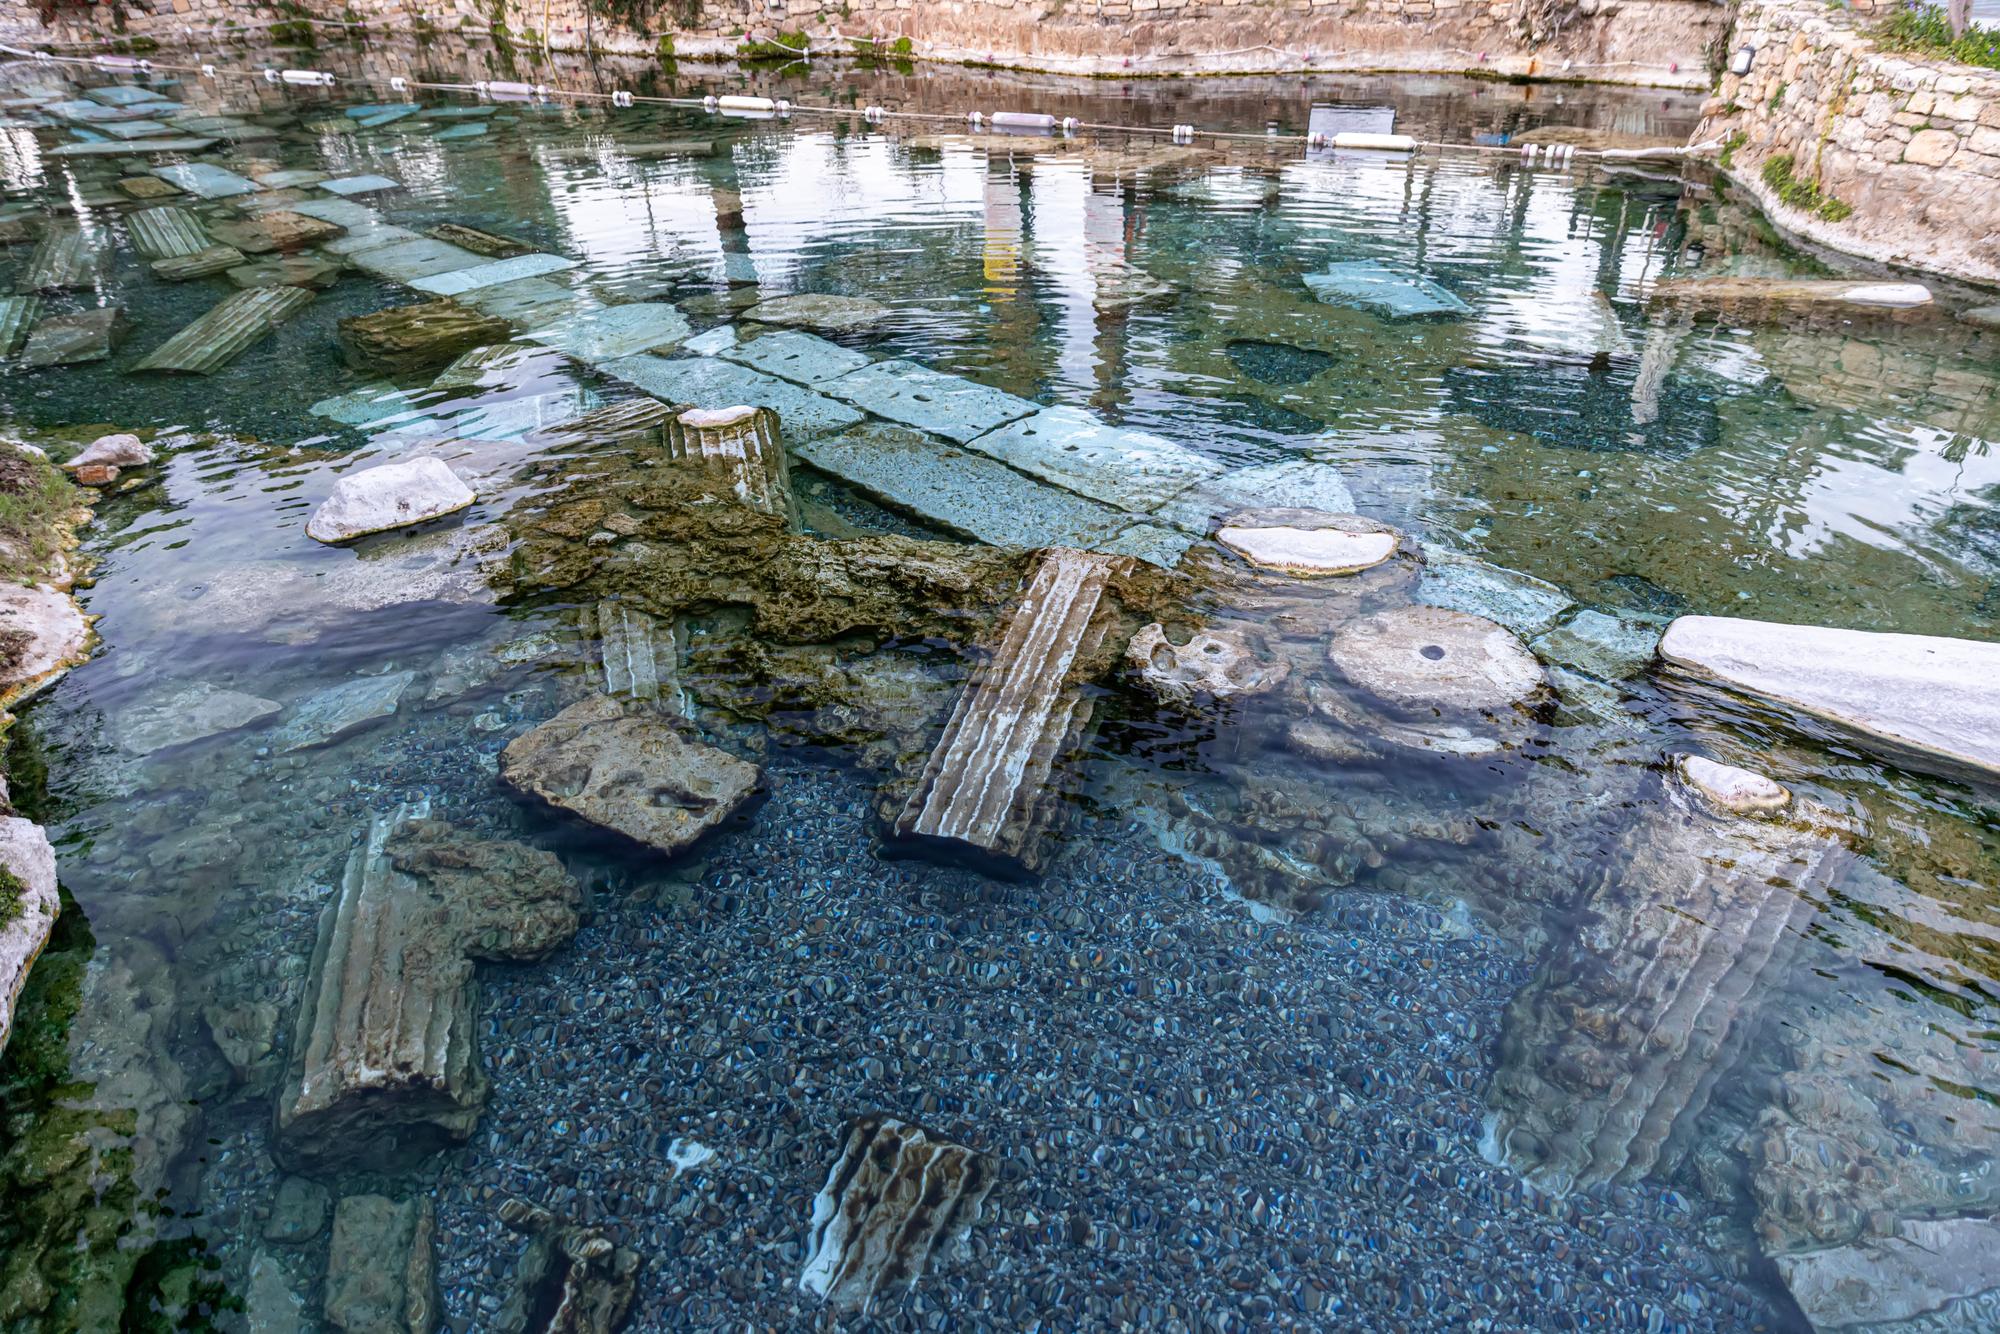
<point x="1806" y="196"/>
<point x="293" y="32"/>
<point x="901" y="47"/>
<point x="1777" y="96"/>
<point x="785" y="46"/>
<point x="12" y="892"/>
<point x="1729" y="147"/>
<point x="36" y="502"/>
<point x="1926" y="31"/>
<point x="664" y="48"/>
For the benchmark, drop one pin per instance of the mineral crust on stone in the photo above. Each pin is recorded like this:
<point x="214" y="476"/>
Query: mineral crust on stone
<point x="741" y="445"/>
<point x="893" y="1202"/>
<point x="1213" y="663"/>
<point x="570" y="1280"/>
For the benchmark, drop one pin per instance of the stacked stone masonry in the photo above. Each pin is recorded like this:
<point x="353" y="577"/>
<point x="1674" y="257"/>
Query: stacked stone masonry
<point x="1913" y="147"/>
<point x="1662" y="42"/>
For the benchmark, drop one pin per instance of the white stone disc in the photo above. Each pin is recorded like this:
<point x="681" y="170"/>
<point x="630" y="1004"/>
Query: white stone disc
<point x="1428" y="661"/>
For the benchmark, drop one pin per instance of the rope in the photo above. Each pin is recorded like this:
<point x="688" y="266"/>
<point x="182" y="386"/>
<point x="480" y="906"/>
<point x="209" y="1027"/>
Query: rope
<point x="1553" y="155"/>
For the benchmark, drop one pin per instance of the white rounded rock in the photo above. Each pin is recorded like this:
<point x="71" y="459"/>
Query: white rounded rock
<point x="1728" y="788"/>
<point x="1308" y="542"/>
<point x="394" y="495"/>
<point x="116" y="451"/>
<point x="1895" y="296"/>
<point x="1429" y="661"/>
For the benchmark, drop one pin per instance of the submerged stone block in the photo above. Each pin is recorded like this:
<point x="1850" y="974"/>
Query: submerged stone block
<point x="287" y="271"/>
<point x="384" y="1065"/>
<point x="830" y="314"/>
<point x="1609" y="1056"/>
<point x="488" y="272"/>
<point x="959" y="491"/>
<point x="635" y="421"/>
<point x="418" y="337"/>
<point x="1293" y="484"/>
<point x="1927" y="700"/>
<point x="569" y="1280"/>
<point x="204" y="263"/>
<point x="405" y="261"/>
<point x="291" y="179"/>
<point x="17" y="315"/>
<point x="167" y="232"/>
<point x="740" y="445"/>
<point x="629" y="647"/>
<point x="929" y="400"/>
<point x="990" y="787"/>
<point x="227" y="331"/>
<point x="614" y="332"/>
<point x="534" y="304"/>
<point x="1367" y="285"/>
<point x="380" y="1267"/>
<point x="345" y="186"/>
<point x="63" y="259"/>
<point x="894" y="1201"/>
<point x="70" y="340"/>
<point x="340" y="711"/>
<point x="179" y="145"/>
<point x="709" y="382"/>
<point x="280" y="229"/>
<point x="634" y="774"/>
<point x="206" y="181"/>
<point x="801" y="358"/>
<point x="479" y="242"/>
<point x="1128" y="470"/>
<point x="1928" y="1274"/>
<point x="1522" y="603"/>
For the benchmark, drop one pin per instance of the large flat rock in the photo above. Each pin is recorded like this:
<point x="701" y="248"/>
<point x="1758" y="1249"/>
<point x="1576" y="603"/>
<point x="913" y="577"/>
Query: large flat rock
<point x="802" y="358"/>
<point x="1129" y="470"/>
<point x="706" y="382"/>
<point x="946" y="405"/>
<point x="611" y="333"/>
<point x="1924" y="699"/>
<point x="42" y="635"/>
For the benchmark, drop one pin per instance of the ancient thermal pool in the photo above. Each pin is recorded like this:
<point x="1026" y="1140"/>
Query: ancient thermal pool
<point x="713" y="721"/>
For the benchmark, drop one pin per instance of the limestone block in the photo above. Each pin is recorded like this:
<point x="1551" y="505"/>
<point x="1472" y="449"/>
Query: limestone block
<point x="1930" y="148"/>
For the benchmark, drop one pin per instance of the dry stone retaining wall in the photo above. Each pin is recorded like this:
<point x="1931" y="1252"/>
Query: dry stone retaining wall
<point x="1912" y="147"/>
<point x="1663" y="42"/>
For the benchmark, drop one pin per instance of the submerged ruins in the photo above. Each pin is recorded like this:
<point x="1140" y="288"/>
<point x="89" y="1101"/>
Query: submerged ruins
<point x="630" y="716"/>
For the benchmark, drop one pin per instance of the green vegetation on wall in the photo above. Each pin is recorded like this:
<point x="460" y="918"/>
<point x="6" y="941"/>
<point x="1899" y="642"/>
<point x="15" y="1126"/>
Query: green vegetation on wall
<point x="1926" y="31"/>
<point x="1800" y="193"/>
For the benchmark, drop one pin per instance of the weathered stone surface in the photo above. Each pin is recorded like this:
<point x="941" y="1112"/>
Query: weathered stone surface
<point x="1610" y="1054"/>
<point x="167" y="232"/>
<point x="277" y="229"/>
<point x="1777" y="293"/>
<point x="287" y="271"/>
<point x="1308" y="543"/>
<point x="1212" y="664"/>
<point x="384" y="1066"/>
<point x="491" y="273"/>
<point x="801" y="358"/>
<point x="1522" y="603"/>
<point x="418" y="337"/>
<point x="1427" y="661"/>
<point x="631" y="773"/>
<point x="828" y="314"/>
<point x="1926" y="700"/>
<point x="28" y="908"/>
<point x="63" y="259"/>
<point x="226" y="331"/>
<point x="1342" y="729"/>
<point x="629" y="647"/>
<point x="150" y="187"/>
<point x="359" y="185"/>
<point x="42" y="635"/>
<point x="477" y="241"/>
<point x="740" y="445"/>
<point x="1601" y="645"/>
<point x="917" y="396"/>
<point x="271" y="1306"/>
<point x="341" y="710"/>
<point x="893" y="1204"/>
<point x="119" y="450"/>
<point x="570" y="1280"/>
<point x="404" y="257"/>
<point x="1367" y="285"/>
<point x="189" y="713"/>
<point x="206" y="181"/>
<point x="1928" y="1268"/>
<point x="1982" y="317"/>
<point x="390" y="495"/>
<point x="988" y="787"/>
<point x="72" y="340"/>
<point x="1730" y="789"/>
<point x="298" y="1214"/>
<point x="708" y="381"/>
<point x="380" y="1271"/>
<point x="1126" y="469"/>
<point x="1293" y="484"/>
<point x="201" y="264"/>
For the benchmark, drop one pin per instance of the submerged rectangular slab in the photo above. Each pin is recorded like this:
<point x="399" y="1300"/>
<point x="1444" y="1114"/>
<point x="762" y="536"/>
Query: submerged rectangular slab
<point x="127" y="95"/>
<point x="359" y="185"/>
<point x="185" y="144"/>
<point x="346" y="212"/>
<point x="1367" y="285"/>
<point x="959" y="491"/>
<point x="929" y="400"/>
<point x="612" y="332"/>
<point x="291" y="179"/>
<point x="17" y="315"/>
<point x="406" y="261"/>
<point x="1929" y="700"/>
<point x="1293" y="484"/>
<point x="367" y="236"/>
<point x="705" y="382"/>
<point x="63" y="259"/>
<point x="203" y="263"/>
<point x="802" y="358"/>
<point x="990" y="787"/>
<point x="135" y="129"/>
<point x="489" y="272"/>
<point x="219" y="337"/>
<point x="205" y="181"/>
<point x="531" y="304"/>
<point x="167" y="232"/>
<point x="1129" y="470"/>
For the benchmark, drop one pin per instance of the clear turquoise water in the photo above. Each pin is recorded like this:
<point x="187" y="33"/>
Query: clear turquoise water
<point x="1831" y="472"/>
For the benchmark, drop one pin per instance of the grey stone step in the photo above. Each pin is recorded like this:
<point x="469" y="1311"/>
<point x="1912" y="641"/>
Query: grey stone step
<point x="929" y="400"/>
<point x="1128" y="470"/>
<point x="706" y="382"/>
<point x="225" y="332"/>
<point x="167" y="231"/>
<point x="988" y="788"/>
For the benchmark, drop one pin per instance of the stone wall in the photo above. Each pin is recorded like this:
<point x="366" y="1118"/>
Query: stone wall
<point x="1656" y="42"/>
<point x="1911" y="147"/>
